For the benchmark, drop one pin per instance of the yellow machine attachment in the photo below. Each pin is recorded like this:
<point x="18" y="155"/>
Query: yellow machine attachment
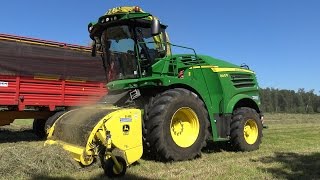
<point x="113" y="135"/>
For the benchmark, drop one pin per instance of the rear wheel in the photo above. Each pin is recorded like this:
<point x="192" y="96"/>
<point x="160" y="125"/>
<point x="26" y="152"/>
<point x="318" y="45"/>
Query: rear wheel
<point x="246" y="129"/>
<point x="51" y="120"/>
<point x="38" y="128"/>
<point x="176" y="125"/>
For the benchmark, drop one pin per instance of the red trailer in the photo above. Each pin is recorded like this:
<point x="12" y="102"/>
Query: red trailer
<point x="39" y="78"/>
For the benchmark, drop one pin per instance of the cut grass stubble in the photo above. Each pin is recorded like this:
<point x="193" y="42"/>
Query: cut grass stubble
<point x="290" y="150"/>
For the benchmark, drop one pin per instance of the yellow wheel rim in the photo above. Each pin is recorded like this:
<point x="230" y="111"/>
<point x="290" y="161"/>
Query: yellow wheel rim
<point x="184" y="127"/>
<point x="250" y="131"/>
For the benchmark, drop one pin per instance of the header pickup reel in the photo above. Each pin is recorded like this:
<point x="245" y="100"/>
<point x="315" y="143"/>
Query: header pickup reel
<point x="110" y="134"/>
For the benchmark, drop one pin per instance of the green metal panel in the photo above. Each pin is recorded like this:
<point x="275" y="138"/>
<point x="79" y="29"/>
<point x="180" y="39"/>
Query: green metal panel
<point x="216" y="89"/>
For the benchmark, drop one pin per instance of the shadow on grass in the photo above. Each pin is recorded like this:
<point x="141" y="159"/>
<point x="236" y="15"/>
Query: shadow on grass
<point x="211" y="147"/>
<point x="9" y="136"/>
<point x="293" y="165"/>
<point x="98" y="177"/>
<point x="214" y="147"/>
<point x="44" y="177"/>
<point x="126" y="176"/>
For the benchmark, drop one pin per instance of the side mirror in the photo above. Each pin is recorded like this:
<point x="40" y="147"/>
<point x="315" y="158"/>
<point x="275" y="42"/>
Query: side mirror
<point x="94" y="49"/>
<point x="96" y="45"/>
<point x="155" y="27"/>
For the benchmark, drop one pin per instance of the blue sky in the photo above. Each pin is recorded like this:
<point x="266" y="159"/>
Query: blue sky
<point x="279" y="39"/>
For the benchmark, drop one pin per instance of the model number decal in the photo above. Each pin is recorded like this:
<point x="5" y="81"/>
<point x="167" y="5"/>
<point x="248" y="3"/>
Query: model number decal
<point x="224" y="75"/>
<point x="255" y="97"/>
<point x="126" y="119"/>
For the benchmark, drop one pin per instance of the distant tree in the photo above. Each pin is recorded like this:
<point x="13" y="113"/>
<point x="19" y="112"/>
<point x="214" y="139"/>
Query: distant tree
<point x="266" y="98"/>
<point x="289" y="101"/>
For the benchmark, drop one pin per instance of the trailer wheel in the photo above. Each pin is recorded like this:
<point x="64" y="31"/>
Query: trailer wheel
<point x="111" y="170"/>
<point x="38" y="128"/>
<point x="51" y="120"/>
<point x="246" y="129"/>
<point x="176" y="125"/>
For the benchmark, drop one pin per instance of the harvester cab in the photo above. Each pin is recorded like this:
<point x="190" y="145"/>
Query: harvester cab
<point x="176" y="102"/>
<point x="129" y="41"/>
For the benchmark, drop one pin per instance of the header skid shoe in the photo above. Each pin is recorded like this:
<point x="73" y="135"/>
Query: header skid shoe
<point x="112" y="134"/>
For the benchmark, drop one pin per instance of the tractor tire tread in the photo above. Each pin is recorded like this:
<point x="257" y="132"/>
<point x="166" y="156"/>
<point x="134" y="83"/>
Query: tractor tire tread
<point x="237" y="126"/>
<point x="153" y="128"/>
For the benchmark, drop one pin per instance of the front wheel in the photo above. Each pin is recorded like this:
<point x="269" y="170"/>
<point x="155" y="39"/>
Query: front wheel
<point x="246" y="129"/>
<point x="176" y="125"/>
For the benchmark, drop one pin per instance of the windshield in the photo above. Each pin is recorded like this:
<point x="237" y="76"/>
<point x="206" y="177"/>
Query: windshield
<point x="126" y="46"/>
<point x="118" y="49"/>
<point x="150" y="47"/>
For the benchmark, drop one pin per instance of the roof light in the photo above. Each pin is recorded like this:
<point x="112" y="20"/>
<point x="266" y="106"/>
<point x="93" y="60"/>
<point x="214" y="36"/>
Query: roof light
<point x="90" y="27"/>
<point x="137" y="9"/>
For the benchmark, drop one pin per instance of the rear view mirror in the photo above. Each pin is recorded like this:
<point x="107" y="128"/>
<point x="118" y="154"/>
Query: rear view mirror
<point x="155" y="27"/>
<point x="96" y="46"/>
<point x="94" y="49"/>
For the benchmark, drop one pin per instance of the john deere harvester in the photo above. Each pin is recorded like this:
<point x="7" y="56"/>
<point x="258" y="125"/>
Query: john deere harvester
<point x="167" y="105"/>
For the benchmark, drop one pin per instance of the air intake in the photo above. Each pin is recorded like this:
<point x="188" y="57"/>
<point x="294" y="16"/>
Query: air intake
<point x="242" y="80"/>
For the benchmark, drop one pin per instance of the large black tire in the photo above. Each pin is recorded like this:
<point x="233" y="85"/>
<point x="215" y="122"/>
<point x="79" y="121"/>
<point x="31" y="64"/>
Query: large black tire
<point x="38" y="128"/>
<point x="246" y="129"/>
<point x="159" y="125"/>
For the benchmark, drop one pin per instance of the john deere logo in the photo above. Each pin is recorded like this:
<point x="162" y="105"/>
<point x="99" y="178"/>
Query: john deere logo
<point x="126" y="128"/>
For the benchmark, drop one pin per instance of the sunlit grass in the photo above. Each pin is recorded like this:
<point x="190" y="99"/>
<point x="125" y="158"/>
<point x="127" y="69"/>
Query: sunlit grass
<point x="290" y="150"/>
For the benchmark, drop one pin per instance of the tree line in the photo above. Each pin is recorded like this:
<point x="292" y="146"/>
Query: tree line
<point x="289" y="101"/>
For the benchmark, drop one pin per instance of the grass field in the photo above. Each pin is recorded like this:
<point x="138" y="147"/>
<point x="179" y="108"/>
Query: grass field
<point x="290" y="150"/>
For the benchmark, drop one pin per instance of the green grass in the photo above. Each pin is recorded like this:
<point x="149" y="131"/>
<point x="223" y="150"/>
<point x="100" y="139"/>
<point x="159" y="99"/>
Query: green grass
<point x="290" y="150"/>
